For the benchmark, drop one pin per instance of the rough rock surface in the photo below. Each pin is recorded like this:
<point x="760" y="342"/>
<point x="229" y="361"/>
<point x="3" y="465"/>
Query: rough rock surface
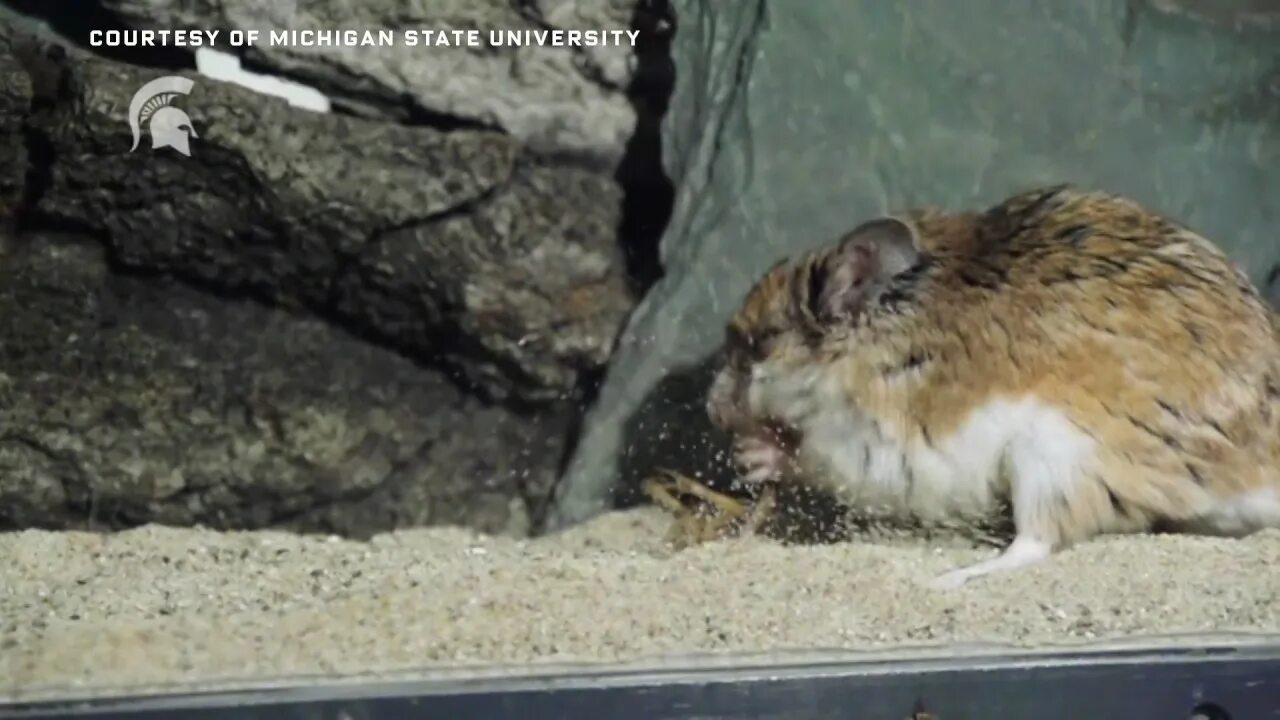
<point x="321" y="321"/>
<point x="128" y="400"/>
<point x="454" y="245"/>
<point x="789" y="127"/>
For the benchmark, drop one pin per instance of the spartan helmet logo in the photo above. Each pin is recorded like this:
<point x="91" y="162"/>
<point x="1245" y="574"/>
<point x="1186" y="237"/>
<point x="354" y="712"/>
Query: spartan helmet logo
<point x="169" y="126"/>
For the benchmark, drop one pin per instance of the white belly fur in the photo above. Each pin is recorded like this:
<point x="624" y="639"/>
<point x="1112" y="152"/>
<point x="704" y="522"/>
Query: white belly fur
<point x="963" y="475"/>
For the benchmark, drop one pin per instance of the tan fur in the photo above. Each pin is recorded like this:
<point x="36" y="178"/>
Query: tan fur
<point x="1137" y="330"/>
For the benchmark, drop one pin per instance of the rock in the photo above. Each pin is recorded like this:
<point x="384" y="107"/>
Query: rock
<point x="337" y="322"/>
<point x="458" y="247"/>
<point x="128" y="401"/>
<point x="794" y="126"/>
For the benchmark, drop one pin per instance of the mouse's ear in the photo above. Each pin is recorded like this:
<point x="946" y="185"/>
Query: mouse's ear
<point x="860" y="265"/>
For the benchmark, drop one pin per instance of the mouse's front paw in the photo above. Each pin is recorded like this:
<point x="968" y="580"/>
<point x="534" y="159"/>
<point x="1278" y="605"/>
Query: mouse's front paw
<point x="760" y="460"/>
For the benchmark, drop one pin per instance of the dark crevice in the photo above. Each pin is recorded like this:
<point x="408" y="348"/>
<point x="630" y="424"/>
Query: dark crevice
<point x="50" y="85"/>
<point x="38" y="176"/>
<point x="648" y="194"/>
<point x="74" y="27"/>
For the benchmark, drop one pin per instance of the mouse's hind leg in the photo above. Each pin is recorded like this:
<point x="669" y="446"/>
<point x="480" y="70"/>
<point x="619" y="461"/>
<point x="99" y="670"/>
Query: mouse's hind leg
<point x="1056" y="496"/>
<point x="1025" y="550"/>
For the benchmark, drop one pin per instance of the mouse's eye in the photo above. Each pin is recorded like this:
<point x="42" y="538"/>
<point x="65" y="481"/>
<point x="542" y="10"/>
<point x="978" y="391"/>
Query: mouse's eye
<point x="761" y="346"/>
<point x="737" y="343"/>
<point x="747" y="347"/>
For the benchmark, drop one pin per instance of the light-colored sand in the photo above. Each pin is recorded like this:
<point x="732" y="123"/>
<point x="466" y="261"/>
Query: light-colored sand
<point x="85" y="614"/>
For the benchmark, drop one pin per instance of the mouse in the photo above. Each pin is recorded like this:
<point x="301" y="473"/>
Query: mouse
<point x="1066" y="356"/>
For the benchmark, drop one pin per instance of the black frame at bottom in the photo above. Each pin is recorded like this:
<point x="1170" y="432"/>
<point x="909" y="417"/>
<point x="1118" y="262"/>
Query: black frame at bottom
<point x="1213" y="683"/>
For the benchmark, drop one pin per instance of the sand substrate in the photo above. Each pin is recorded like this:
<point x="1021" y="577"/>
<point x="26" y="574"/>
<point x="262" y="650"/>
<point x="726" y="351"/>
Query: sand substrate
<point x="84" y="614"/>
